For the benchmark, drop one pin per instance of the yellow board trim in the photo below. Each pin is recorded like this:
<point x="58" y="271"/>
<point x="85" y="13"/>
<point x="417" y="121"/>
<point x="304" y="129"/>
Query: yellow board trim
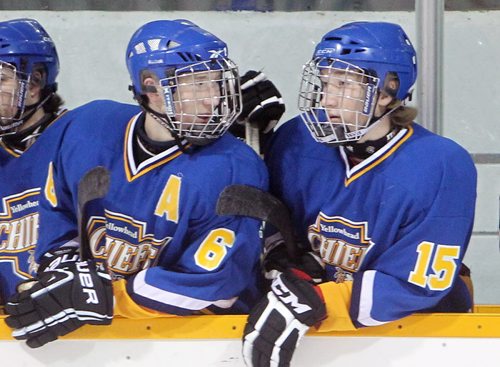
<point x="470" y="325"/>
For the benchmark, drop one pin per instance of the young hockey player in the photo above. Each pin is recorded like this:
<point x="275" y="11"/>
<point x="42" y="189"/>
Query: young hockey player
<point x="156" y="232"/>
<point x="29" y="108"/>
<point x="383" y="209"/>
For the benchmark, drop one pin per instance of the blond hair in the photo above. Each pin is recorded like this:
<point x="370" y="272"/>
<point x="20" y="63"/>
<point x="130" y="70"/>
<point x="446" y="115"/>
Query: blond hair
<point x="402" y="116"/>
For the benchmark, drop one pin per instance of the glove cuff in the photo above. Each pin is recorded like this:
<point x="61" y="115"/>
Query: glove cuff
<point x="55" y="258"/>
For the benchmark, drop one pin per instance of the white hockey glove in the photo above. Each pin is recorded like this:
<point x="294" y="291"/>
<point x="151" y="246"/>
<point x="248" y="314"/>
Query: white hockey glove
<point x="278" y="322"/>
<point x="66" y="294"/>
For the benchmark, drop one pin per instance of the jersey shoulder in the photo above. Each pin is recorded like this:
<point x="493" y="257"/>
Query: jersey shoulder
<point x="242" y="164"/>
<point x="438" y="147"/>
<point x="56" y="129"/>
<point x="426" y="153"/>
<point x="106" y="106"/>
<point x="104" y="114"/>
<point x="101" y="122"/>
<point x="290" y="134"/>
<point x="227" y="161"/>
<point x="293" y="139"/>
<point x="45" y="146"/>
<point x="429" y="167"/>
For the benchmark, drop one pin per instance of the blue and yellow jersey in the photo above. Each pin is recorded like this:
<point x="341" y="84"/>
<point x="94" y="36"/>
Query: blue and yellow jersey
<point x="396" y="225"/>
<point x="157" y="227"/>
<point x="22" y="177"/>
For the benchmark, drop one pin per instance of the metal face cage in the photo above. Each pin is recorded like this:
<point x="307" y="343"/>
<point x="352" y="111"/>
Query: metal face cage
<point x="337" y="100"/>
<point x="202" y="100"/>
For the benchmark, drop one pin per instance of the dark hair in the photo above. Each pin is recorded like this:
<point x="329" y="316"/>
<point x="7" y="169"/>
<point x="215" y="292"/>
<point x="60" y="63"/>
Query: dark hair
<point x="55" y="102"/>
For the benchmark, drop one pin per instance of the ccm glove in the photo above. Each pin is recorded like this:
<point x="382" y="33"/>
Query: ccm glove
<point x="262" y="102"/>
<point x="277" y="323"/>
<point x="66" y="294"/>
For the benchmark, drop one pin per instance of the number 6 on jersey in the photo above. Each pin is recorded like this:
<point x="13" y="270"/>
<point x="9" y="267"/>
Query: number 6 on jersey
<point x="214" y="248"/>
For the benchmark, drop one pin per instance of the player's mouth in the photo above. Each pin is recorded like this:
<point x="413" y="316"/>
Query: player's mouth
<point x="203" y="118"/>
<point x="335" y="118"/>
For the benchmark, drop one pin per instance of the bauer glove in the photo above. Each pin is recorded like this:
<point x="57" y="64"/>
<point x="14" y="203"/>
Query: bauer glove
<point x="66" y="294"/>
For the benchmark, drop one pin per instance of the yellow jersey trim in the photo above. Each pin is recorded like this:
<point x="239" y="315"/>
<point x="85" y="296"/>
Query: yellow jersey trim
<point x="379" y="160"/>
<point x="128" y="150"/>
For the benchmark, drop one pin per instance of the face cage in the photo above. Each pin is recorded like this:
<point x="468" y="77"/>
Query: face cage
<point x="13" y="89"/>
<point x="324" y="80"/>
<point x="202" y="100"/>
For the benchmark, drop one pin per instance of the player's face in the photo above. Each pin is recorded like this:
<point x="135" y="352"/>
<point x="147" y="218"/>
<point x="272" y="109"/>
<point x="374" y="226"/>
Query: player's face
<point x="9" y="91"/>
<point x="343" y="97"/>
<point x="197" y="97"/>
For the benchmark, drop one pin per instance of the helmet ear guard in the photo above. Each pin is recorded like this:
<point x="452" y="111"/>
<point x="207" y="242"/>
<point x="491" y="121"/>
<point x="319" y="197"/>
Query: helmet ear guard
<point x="391" y="85"/>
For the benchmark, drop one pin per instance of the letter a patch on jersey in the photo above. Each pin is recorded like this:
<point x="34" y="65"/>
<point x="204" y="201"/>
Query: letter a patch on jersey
<point x="168" y="204"/>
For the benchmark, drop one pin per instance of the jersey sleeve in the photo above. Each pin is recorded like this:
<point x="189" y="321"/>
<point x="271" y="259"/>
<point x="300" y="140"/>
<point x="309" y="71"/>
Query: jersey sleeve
<point x="213" y="270"/>
<point x="58" y="223"/>
<point x="59" y="199"/>
<point x="217" y="270"/>
<point x="76" y="154"/>
<point x="420" y="270"/>
<point x="57" y="214"/>
<point x="125" y="307"/>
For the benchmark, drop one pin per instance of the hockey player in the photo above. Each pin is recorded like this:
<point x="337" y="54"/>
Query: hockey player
<point x="33" y="129"/>
<point x="29" y="105"/>
<point x="158" y="235"/>
<point x="383" y="208"/>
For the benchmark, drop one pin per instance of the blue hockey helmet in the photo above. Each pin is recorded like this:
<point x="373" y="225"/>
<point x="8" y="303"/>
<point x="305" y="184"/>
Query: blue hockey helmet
<point x="24" y="46"/>
<point x="338" y="92"/>
<point x="25" y="43"/>
<point x="378" y="47"/>
<point x="178" y="52"/>
<point x="165" y="45"/>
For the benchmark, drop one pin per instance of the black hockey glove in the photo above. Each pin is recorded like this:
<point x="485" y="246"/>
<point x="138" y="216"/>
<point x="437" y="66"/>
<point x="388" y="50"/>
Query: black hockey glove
<point x="262" y="102"/>
<point x="66" y="294"/>
<point x="278" y="322"/>
<point x="277" y="261"/>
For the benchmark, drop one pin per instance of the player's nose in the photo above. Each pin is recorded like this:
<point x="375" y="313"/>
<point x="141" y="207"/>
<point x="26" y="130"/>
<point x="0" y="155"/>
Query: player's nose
<point x="330" y="100"/>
